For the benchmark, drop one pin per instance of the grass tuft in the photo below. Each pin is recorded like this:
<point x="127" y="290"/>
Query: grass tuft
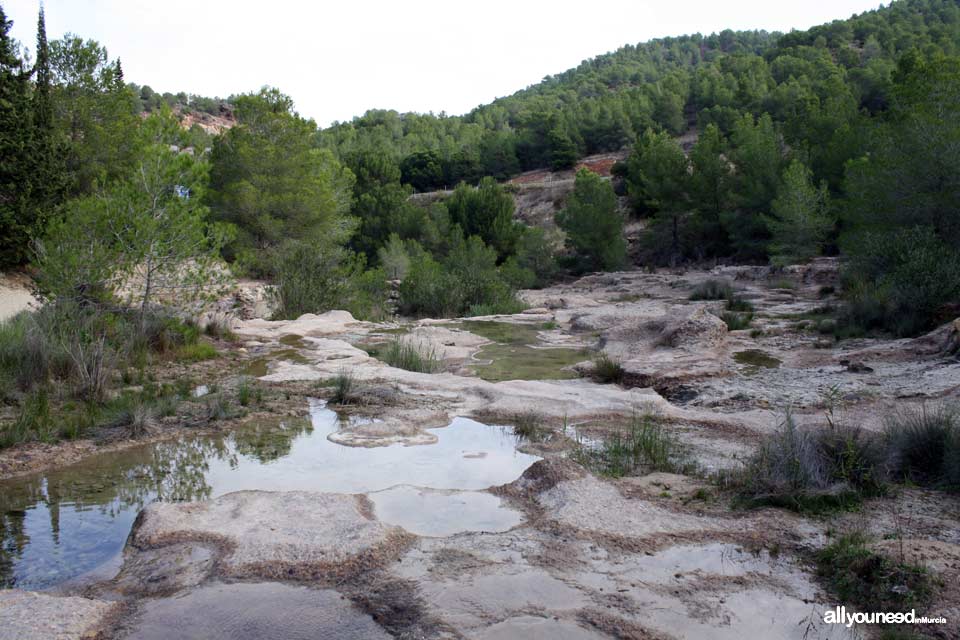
<point x="412" y="356"/>
<point x="644" y="445"/>
<point x="607" y="370"/>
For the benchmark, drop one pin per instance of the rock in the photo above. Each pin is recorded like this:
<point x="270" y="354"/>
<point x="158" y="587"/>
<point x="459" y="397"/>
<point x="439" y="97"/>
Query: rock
<point x="25" y="615"/>
<point x="700" y="328"/>
<point x="288" y="534"/>
<point x="589" y="504"/>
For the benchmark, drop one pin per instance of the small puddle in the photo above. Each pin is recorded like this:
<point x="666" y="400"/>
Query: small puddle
<point x="517" y="353"/>
<point x="249" y="611"/>
<point x="259" y="367"/>
<point x="429" y="512"/>
<point x="57" y="525"/>
<point x="757" y="358"/>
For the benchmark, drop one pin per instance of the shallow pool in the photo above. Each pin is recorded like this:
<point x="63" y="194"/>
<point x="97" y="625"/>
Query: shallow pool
<point x="58" y="525"/>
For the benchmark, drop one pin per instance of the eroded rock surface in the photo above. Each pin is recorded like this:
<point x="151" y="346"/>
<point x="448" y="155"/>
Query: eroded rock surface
<point x="25" y="615"/>
<point x="286" y="534"/>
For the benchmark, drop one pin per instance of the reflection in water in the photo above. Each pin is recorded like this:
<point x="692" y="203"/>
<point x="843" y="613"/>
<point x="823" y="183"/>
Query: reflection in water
<point x="58" y="525"/>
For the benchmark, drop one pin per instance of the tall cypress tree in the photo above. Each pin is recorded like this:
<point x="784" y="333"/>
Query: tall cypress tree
<point x="42" y="105"/>
<point x="14" y="139"/>
<point x="46" y="156"/>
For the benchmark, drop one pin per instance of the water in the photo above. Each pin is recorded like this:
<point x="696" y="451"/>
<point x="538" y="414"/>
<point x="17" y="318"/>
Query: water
<point x="57" y="525"/>
<point x="434" y="513"/>
<point x="517" y="353"/>
<point x="756" y="359"/>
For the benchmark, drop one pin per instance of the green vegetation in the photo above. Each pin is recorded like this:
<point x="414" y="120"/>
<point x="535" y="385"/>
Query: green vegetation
<point x="412" y="356"/>
<point x="872" y="581"/>
<point x="645" y="444"/>
<point x="594" y="226"/>
<point x="530" y="426"/>
<point x="713" y="290"/>
<point x="924" y="445"/>
<point x="813" y="470"/>
<point x="346" y="388"/>
<point x="607" y="370"/>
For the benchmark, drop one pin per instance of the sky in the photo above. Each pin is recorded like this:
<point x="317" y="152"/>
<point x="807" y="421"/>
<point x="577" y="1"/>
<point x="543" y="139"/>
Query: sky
<point x="338" y="59"/>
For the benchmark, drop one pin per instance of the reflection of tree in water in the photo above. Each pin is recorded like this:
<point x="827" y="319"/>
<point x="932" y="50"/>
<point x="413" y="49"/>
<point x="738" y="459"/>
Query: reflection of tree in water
<point x="270" y="440"/>
<point x="111" y="483"/>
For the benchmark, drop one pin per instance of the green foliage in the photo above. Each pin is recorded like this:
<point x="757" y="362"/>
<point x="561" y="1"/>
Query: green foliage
<point x="801" y="220"/>
<point x="594" y="226"/>
<point x="273" y="184"/>
<point x="142" y="235"/>
<point x="607" y="370"/>
<point x="315" y="278"/>
<point x="871" y="581"/>
<point x="645" y="444"/>
<point x="412" y="356"/>
<point x="898" y="281"/>
<point x="924" y="445"/>
<point x="196" y="352"/>
<point x="814" y="469"/>
<point x="736" y="321"/>
<point x="467" y="282"/>
<point x="530" y="426"/>
<point x="486" y="211"/>
<point x="346" y="388"/>
<point x="713" y="290"/>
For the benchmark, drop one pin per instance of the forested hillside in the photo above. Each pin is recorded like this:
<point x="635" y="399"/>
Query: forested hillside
<point x="836" y="140"/>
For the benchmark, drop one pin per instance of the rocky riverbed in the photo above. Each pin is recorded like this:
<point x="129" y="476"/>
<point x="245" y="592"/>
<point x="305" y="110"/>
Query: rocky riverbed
<point x="415" y="512"/>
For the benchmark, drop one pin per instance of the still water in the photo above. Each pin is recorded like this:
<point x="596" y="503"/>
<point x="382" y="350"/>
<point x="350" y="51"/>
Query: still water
<point x="58" y="525"/>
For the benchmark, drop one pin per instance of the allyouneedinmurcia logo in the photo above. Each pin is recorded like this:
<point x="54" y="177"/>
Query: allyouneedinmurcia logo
<point x="840" y="615"/>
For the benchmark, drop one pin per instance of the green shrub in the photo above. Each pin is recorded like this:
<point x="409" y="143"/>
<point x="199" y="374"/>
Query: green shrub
<point x="924" y="445"/>
<point x="872" y="581"/>
<point x="530" y="426"/>
<point x="736" y="321"/>
<point x="712" y="290"/>
<point x="899" y="281"/>
<point x="813" y="470"/>
<point x="468" y="282"/>
<point x="32" y="423"/>
<point x="412" y="356"/>
<point x="607" y="370"/>
<point x="736" y="303"/>
<point x="346" y="388"/>
<point x="315" y="278"/>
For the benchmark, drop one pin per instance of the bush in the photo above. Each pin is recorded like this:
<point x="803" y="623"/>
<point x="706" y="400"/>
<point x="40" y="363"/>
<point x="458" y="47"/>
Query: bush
<point x="530" y="426"/>
<point x="736" y="321"/>
<point x="32" y="423"/>
<point x="346" y="388"/>
<point x="898" y="282"/>
<point x="607" y="370"/>
<point x="813" y="470"/>
<point x="872" y="581"/>
<point x="406" y="354"/>
<point x="318" y="278"/>
<point x="468" y="282"/>
<point x="924" y="445"/>
<point x="712" y="290"/>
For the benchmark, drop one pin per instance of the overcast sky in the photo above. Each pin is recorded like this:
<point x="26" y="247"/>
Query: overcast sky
<point x="338" y="59"/>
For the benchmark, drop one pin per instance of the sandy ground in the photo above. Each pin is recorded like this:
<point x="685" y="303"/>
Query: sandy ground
<point x="15" y="295"/>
